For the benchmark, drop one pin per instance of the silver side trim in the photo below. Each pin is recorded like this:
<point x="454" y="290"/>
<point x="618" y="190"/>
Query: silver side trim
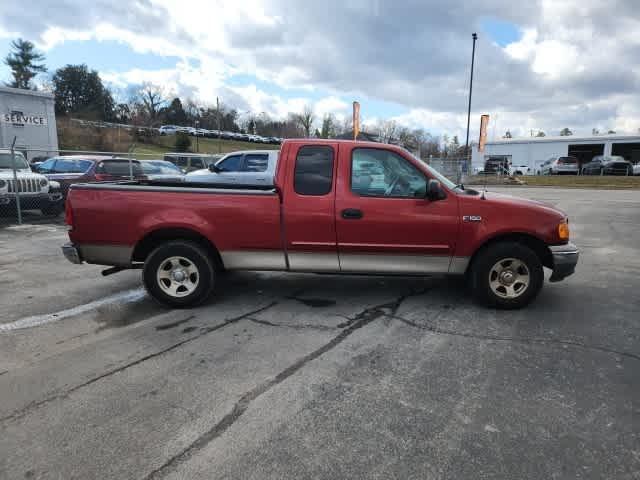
<point x="409" y="264"/>
<point x="346" y="263"/>
<point x="119" y="255"/>
<point x="313" y="262"/>
<point x="153" y="188"/>
<point x="254" y="260"/>
<point x="459" y="265"/>
<point x="568" y="249"/>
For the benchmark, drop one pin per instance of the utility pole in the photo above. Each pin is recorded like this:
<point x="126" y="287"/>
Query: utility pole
<point x="473" y="57"/>
<point x="219" y="132"/>
<point x="197" y="137"/>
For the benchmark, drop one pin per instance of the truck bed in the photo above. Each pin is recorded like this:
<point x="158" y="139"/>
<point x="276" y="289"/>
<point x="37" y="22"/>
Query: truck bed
<point x="121" y="214"/>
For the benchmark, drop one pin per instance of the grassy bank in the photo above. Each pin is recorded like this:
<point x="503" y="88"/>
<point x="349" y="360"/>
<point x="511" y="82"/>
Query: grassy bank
<point x="561" y="181"/>
<point x="72" y="136"/>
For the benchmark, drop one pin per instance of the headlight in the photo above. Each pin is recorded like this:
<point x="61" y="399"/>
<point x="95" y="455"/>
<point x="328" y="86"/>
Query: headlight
<point x="3" y="183"/>
<point x="54" y="185"/>
<point x="563" y="230"/>
<point x="43" y="183"/>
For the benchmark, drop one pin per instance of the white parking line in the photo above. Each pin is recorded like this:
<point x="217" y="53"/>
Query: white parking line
<point x="127" y="296"/>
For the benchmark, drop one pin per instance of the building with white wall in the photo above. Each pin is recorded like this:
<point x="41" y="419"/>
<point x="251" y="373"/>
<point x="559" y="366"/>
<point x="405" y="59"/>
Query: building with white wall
<point x="533" y="151"/>
<point x="30" y="117"/>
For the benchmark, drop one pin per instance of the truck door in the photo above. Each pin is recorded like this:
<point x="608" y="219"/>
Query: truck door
<point x="384" y="223"/>
<point x="309" y="207"/>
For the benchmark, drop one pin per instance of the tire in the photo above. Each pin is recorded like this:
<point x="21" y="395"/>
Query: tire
<point x="55" y="209"/>
<point x="503" y="257"/>
<point x="184" y="258"/>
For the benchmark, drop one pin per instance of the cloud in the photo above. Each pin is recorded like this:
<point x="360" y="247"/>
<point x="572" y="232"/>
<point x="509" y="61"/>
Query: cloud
<point x="575" y="64"/>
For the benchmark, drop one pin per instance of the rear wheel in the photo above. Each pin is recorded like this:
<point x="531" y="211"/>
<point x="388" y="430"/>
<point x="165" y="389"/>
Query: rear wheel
<point x="179" y="274"/>
<point x="506" y="275"/>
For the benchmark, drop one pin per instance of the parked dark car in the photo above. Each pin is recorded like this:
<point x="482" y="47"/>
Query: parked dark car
<point x="607" y="165"/>
<point x="71" y="169"/>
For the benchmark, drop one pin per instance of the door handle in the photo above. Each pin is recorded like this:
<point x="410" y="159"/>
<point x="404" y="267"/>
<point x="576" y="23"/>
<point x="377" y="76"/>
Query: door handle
<point x="352" y="214"/>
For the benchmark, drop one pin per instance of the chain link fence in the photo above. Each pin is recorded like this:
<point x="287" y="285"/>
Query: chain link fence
<point x="456" y="169"/>
<point x="34" y="181"/>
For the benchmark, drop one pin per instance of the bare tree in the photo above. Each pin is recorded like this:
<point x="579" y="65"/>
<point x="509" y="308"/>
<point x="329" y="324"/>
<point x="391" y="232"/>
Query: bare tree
<point x="151" y="98"/>
<point x="305" y="120"/>
<point x="386" y="130"/>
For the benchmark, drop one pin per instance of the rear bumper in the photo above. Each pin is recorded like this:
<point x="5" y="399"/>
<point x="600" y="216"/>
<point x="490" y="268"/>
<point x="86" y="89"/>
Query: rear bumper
<point x="565" y="259"/>
<point x="71" y="253"/>
<point x="111" y="255"/>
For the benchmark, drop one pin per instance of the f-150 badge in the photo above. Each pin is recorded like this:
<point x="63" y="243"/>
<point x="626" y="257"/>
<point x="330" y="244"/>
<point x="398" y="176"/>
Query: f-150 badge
<point x="472" y="218"/>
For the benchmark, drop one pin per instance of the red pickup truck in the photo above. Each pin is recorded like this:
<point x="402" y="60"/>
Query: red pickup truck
<point x="340" y="207"/>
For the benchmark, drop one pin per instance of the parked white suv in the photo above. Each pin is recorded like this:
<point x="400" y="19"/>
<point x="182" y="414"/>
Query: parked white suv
<point x="558" y="165"/>
<point x="250" y="167"/>
<point x="34" y="190"/>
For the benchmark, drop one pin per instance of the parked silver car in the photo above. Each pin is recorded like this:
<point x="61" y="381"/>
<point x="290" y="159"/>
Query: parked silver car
<point x="558" y="165"/>
<point x="250" y="167"/>
<point x="161" y="170"/>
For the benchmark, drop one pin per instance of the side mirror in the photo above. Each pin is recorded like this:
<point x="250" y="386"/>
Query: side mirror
<point x="215" y="169"/>
<point x="435" y="191"/>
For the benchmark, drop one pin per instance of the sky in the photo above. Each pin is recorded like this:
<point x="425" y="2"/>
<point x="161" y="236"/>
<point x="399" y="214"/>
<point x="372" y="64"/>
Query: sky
<point x="540" y="65"/>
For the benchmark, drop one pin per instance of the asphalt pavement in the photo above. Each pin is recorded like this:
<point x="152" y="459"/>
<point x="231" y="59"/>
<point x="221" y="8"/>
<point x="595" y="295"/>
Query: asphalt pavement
<point x="317" y="376"/>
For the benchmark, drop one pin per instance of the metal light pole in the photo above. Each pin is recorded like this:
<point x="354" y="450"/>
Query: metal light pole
<point x="197" y="137"/>
<point x="219" y="132"/>
<point x="473" y="57"/>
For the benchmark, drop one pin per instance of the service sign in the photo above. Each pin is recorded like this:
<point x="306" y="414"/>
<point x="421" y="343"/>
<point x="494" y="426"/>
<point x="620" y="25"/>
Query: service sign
<point x="21" y="119"/>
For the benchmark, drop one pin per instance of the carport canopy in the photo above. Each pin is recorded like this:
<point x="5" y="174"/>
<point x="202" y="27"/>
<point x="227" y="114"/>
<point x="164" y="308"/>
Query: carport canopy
<point x="585" y="152"/>
<point x="630" y="151"/>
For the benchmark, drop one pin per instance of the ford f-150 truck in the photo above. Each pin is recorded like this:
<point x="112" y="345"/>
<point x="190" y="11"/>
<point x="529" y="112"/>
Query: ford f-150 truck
<point x="339" y="207"/>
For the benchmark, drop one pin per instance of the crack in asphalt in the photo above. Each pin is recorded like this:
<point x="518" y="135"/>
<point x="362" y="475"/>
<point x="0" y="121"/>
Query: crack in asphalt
<point x="167" y="326"/>
<point x="360" y="320"/>
<point x="304" y="326"/>
<point x="34" y="405"/>
<point x="537" y="340"/>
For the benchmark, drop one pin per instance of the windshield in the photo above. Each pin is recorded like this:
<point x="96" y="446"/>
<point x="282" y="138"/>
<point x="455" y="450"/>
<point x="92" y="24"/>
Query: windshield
<point x="436" y="174"/>
<point x="5" y="161"/>
<point x="160" y="168"/>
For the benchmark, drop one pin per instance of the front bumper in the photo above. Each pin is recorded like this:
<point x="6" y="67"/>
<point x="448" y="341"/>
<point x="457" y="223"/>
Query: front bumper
<point x="71" y="253"/>
<point x="565" y="259"/>
<point x="32" y="201"/>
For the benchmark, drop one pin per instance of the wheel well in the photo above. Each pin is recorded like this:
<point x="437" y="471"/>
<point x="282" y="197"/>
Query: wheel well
<point x="538" y="246"/>
<point x="154" y="239"/>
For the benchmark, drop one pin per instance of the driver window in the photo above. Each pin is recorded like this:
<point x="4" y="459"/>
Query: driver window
<point x="231" y="164"/>
<point x="381" y="173"/>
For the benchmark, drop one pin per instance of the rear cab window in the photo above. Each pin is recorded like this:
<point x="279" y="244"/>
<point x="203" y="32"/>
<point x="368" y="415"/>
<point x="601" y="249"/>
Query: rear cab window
<point x="119" y="168"/>
<point x="313" y="173"/>
<point x="256" y="162"/>
<point x="196" y="162"/>
<point x="568" y="160"/>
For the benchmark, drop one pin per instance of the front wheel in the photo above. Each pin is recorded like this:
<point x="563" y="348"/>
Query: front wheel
<point x="506" y="275"/>
<point x="179" y="274"/>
